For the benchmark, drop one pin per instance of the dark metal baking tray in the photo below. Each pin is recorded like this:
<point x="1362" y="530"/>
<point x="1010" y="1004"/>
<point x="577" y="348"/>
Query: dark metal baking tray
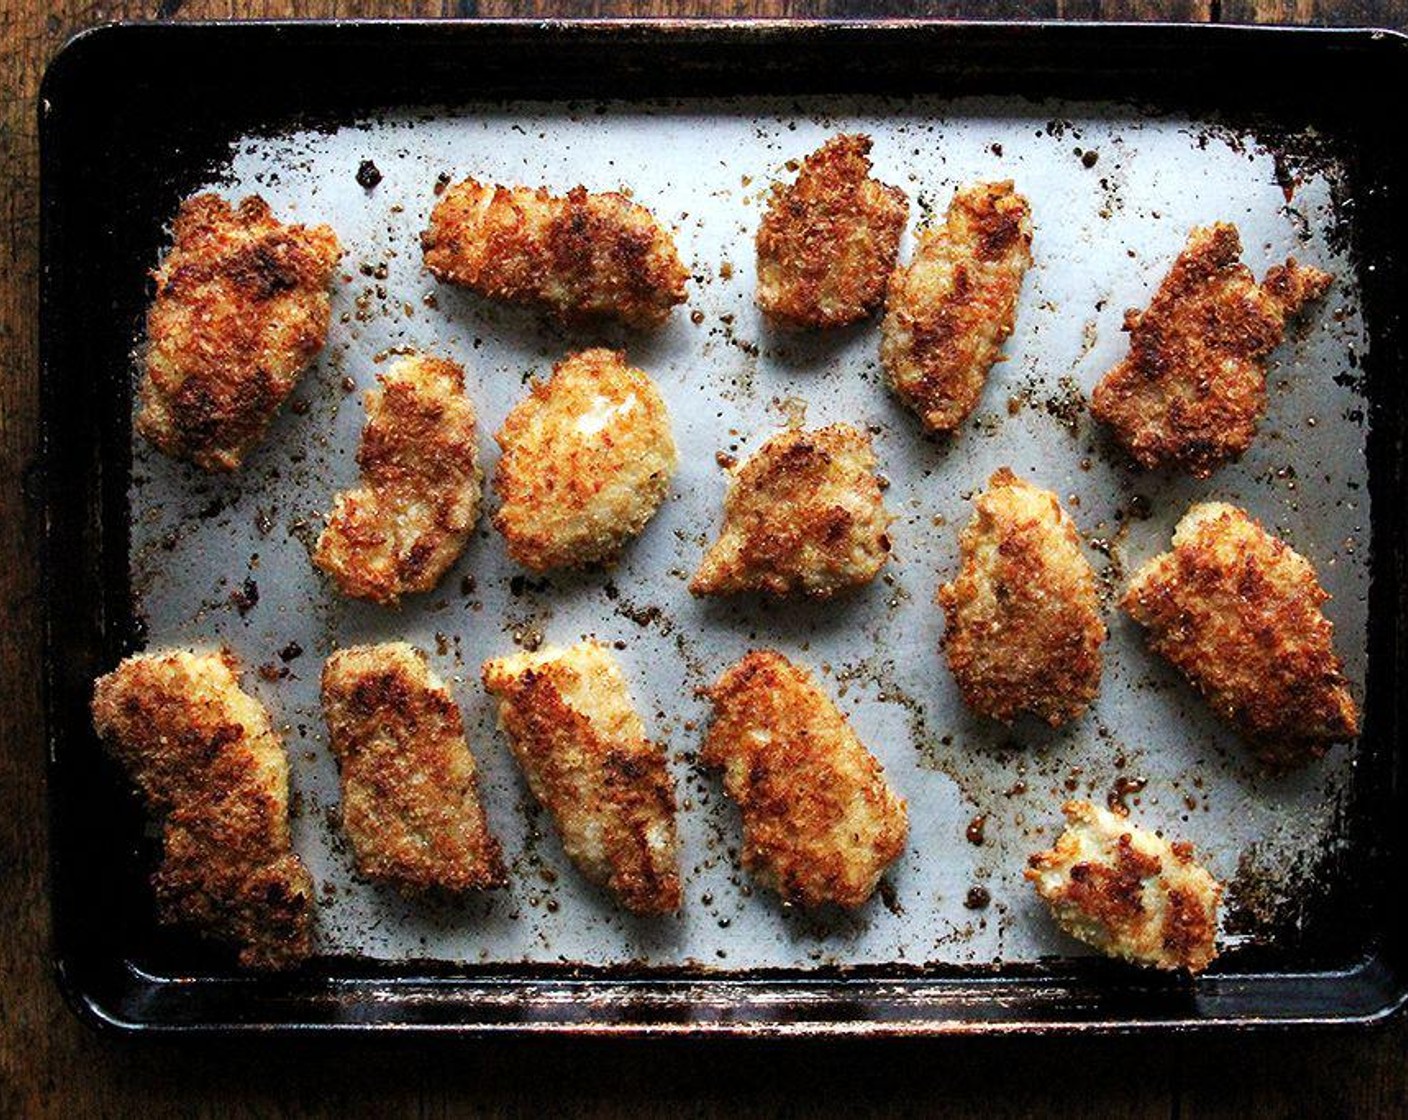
<point x="134" y="116"/>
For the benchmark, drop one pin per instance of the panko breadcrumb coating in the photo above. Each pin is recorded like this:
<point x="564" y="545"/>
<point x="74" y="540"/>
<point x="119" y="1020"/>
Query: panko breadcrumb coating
<point x="582" y="747"/>
<point x="1238" y="612"/>
<point x="1128" y="892"/>
<point x="410" y="797"/>
<point x="587" y="460"/>
<point x="1023" y="617"/>
<point x="409" y="520"/>
<point x="803" y="514"/>
<point x="948" y="312"/>
<point x="241" y="310"/>
<point x="820" y="823"/>
<point x="827" y="242"/>
<point x="582" y="257"/>
<point x="1193" y="388"/>
<point x="209" y="763"/>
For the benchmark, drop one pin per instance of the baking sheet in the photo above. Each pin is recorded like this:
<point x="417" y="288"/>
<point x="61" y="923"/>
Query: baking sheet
<point x="226" y="560"/>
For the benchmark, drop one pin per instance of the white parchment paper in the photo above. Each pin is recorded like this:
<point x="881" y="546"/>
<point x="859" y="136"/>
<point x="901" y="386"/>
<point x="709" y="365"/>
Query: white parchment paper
<point x="1107" y="228"/>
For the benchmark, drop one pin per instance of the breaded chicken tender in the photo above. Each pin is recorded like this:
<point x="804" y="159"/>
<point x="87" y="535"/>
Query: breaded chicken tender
<point x="1128" y="892"/>
<point x="1023" y="617"/>
<point x="1238" y="613"/>
<point x="948" y="312"/>
<point x="410" y="796"/>
<point x="1193" y="388"/>
<point x="820" y="823"/>
<point x="587" y="460"/>
<point x="827" y="243"/>
<point x="583" y="749"/>
<point x="409" y="520"/>
<point x="209" y="763"/>
<point x="583" y="257"/>
<point x="241" y="310"/>
<point x="803" y="514"/>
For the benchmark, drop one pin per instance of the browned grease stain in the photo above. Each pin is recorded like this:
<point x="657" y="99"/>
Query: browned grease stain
<point x="1123" y="788"/>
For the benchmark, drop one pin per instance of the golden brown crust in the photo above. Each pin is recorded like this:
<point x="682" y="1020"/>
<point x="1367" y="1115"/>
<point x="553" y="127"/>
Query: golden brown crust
<point x="1128" y="892"/>
<point x="208" y="762"/>
<point x="1238" y="612"/>
<point x="1023" y="617"/>
<point x="241" y="310"/>
<point x="406" y="525"/>
<point x="827" y="242"/>
<point x="587" y="460"/>
<point x="820" y="822"/>
<point x="583" y="749"/>
<point x="804" y="514"/>
<point x="582" y="257"/>
<point x="1193" y="388"/>
<point x="948" y="312"/>
<point x="410" y="797"/>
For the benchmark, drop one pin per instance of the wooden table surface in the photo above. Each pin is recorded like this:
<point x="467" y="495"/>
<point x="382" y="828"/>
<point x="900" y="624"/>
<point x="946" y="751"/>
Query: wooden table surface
<point x="52" y="1065"/>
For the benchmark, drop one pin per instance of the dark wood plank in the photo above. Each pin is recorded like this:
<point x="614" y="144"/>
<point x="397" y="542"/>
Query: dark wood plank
<point x="50" y="1065"/>
<point x="1332" y="13"/>
<point x="672" y="9"/>
<point x="1334" y="1074"/>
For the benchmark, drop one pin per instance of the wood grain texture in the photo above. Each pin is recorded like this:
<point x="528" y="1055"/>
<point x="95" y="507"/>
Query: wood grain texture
<point x="50" y="1065"/>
